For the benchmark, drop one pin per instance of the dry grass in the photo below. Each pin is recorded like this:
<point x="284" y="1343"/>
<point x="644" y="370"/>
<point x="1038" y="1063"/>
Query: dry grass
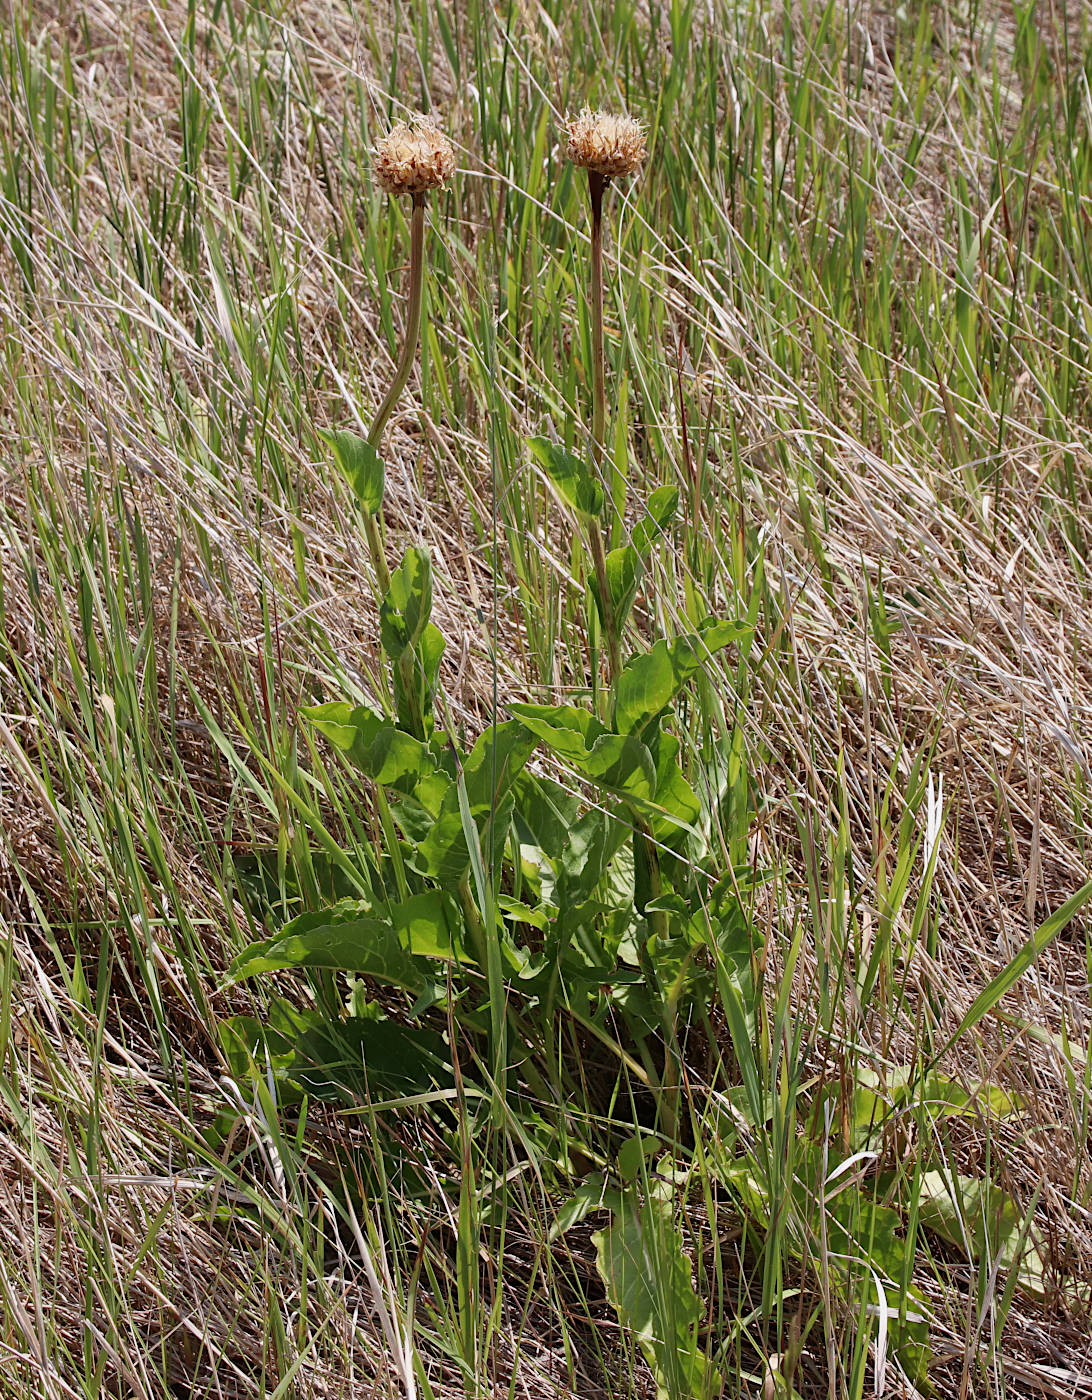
<point x="180" y="572"/>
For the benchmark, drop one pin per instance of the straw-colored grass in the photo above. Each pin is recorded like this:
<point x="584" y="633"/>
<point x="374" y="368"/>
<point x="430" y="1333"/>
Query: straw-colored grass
<point x="848" y="313"/>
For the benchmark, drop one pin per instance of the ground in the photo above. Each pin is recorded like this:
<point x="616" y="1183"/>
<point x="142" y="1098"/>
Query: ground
<point x="848" y="309"/>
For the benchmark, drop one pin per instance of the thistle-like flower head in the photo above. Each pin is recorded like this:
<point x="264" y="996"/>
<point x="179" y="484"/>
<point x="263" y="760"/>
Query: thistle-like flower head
<point x="414" y="157"/>
<point x="605" y="143"/>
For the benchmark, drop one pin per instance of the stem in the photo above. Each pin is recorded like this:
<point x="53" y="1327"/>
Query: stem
<point x="596" y="185"/>
<point x="606" y="606"/>
<point x="373" y="529"/>
<point x="374" y="537"/>
<point x="414" y="302"/>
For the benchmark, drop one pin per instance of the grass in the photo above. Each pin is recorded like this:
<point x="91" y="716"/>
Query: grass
<point x="848" y="312"/>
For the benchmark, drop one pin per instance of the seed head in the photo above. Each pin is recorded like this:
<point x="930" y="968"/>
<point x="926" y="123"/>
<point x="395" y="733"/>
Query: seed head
<point x="414" y="157"/>
<point x="606" y="144"/>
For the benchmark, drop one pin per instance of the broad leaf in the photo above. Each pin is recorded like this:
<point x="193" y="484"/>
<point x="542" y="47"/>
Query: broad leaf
<point x="571" y="478"/>
<point x="377" y="747"/>
<point x="662" y="505"/>
<point x="566" y="730"/>
<point x="982" y="1219"/>
<point x="341" y="937"/>
<point x="405" y="611"/>
<point x="624" y="570"/>
<point x="647" y="1276"/>
<point x="430" y="925"/>
<point x="489" y="772"/>
<point x="650" y="682"/>
<point x="545" y="813"/>
<point x="334" y="1059"/>
<point x="619" y="762"/>
<point x="361" y="466"/>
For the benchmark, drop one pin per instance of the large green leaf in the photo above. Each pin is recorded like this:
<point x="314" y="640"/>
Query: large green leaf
<point x="567" y="731"/>
<point x="647" y="1276"/>
<point x="650" y="682"/>
<point x="593" y="843"/>
<point x="361" y="466"/>
<point x="341" y="937"/>
<point x="489" y="772"/>
<point x="545" y="813"/>
<point x="405" y="611"/>
<point x="334" y="1059"/>
<point x="662" y="505"/>
<point x="377" y="747"/>
<point x="572" y="478"/>
<point x="624" y="570"/>
<point x="430" y="925"/>
<point x="982" y="1219"/>
<point x="677" y="806"/>
<point x="415" y="683"/>
<point x="618" y="762"/>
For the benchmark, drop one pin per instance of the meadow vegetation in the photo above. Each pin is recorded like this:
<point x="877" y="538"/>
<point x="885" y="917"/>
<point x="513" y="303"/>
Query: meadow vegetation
<point x="547" y="857"/>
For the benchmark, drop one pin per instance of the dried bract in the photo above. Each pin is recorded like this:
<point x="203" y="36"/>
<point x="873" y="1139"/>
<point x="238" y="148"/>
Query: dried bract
<point x="606" y="144"/>
<point x="414" y="157"/>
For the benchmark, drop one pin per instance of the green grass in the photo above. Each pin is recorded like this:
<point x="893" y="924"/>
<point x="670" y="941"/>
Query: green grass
<point x="849" y="308"/>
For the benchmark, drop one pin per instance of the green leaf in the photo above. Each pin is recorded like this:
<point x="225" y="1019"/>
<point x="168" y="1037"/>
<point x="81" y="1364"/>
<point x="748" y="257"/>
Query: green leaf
<point x="430" y="925"/>
<point x="545" y="813"/>
<point x="572" y="479"/>
<point x="662" y="505"/>
<point x="1005" y="980"/>
<point x="340" y="1059"/>
<point x="877" y="1097"/>
<point x="619" y="762"/>
<point x="415" y="685"/>
<point x="624" y="570"/>
<point x="984" y="1221"/>
<point x="564" y="729"/>
<point x="650" y="682"/>
<point x="331" y="1059"/>
<point x="341" y="937"/>
<point x="647" y="1276"/>
<point x="515" y="911"/>
<point x="593" y="843"/>
<point x="361" y="466"/>
<point x="489" y="772"/>
<point x="377" y="747"/>
<point x="430" y="651"/>
<point x="591" y="1194"/>
<point x="677" y="804"/>
<point x="405" y="611"/>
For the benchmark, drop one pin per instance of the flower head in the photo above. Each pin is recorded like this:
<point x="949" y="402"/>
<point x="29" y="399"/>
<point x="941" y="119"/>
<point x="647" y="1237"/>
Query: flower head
<point x="414" y="157"/>
<point x="606" y="144"/>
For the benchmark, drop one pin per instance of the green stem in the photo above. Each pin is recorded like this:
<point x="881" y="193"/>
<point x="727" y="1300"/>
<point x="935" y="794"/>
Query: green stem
<point x="596" y="185"/>
<point x="414" y="304"/>
<point x="606" y="606"/>
<point x="373" y="529"/>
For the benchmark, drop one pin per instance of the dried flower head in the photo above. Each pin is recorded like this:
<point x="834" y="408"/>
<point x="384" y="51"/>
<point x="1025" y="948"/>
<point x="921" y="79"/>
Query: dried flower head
<point x="606" y="144"/>
<point x="414" y="157"/>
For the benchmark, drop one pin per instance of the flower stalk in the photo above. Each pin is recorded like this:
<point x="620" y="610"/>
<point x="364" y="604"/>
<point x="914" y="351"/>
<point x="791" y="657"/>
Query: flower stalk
<point x="608" y="147"/>
<point x="414" y="158"/>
